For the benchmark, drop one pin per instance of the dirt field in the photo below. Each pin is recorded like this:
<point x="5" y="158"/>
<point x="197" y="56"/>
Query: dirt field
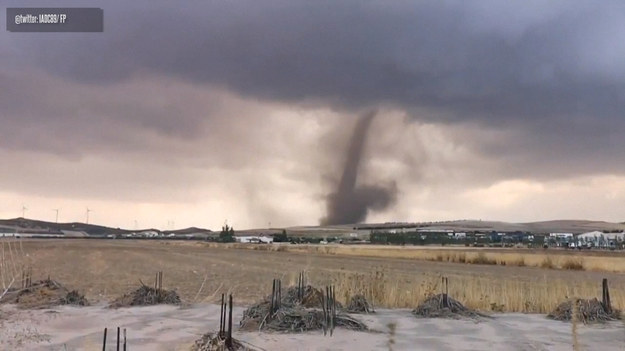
<point x="167" y="328"/>
<point x="105" y="269"/>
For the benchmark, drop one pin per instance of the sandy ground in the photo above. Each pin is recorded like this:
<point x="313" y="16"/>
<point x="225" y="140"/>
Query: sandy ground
<point x="157" y="328"/>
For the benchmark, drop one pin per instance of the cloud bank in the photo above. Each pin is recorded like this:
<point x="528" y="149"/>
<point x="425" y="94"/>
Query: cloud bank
<point x="259" y="98"/>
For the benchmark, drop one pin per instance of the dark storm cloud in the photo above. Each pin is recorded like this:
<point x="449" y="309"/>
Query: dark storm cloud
<point x="495" y="61"/>
<point x="549" y="74"/>
<point x="505" y="64"/>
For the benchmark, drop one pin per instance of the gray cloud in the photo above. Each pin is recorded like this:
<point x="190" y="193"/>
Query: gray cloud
<point x="539" y="85"/>
<point x="503" y="64"/>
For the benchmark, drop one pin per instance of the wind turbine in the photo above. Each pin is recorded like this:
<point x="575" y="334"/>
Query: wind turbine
<point x="170" y="225"/>
<point x="57" y="214"/>
<point x="88" y="210"/>
<point x="24" y="211"/>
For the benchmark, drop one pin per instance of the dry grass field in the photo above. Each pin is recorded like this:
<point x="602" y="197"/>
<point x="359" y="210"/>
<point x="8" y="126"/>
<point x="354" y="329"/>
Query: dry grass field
<point x="600" y="261"/>
<point x="105" y="269"/>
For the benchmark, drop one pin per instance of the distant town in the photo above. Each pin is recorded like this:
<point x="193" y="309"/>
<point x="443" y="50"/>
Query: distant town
<point x="598" y="235"/>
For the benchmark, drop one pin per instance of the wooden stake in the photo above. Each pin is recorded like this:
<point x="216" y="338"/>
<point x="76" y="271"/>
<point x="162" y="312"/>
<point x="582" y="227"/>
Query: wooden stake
<point x="279" y="295"/>
<point x="118" y="339"/>
<point x="331" y="310"/>
<point x="229" y="338"/>
<point x="446" y="296"/>
<point x="222" y="314"/>
<point x="326" y="318"/>
<point x="273" y="295"/>
<point x="607" y="305"/>
<point x="104" y="341"/>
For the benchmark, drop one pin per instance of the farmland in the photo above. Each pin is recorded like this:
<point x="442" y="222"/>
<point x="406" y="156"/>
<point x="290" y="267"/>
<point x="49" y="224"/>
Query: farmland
<point x="104" y="269"/>
<point x="394" y="280"/>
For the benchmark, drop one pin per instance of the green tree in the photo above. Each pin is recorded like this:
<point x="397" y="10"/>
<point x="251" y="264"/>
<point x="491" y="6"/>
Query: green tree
<point x="227" y="234"/>
<point x="281" y="238"/>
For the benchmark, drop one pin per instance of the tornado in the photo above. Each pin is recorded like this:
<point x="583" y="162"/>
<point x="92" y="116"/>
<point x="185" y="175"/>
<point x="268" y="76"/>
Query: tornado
<point x="350" y="203"/>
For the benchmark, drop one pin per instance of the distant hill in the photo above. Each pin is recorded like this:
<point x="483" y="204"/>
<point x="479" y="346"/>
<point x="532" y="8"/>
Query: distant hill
<point x="190" y="230"/>
<point x="43" y="227"/>
<point x="35" y="226"/>
<point x="570" y="226"/>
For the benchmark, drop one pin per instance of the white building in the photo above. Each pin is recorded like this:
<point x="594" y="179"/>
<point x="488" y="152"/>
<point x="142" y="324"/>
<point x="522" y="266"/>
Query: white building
<point x="600" y="239"/>
<point x="254" y="239"/>
<point x="561" y="235"/>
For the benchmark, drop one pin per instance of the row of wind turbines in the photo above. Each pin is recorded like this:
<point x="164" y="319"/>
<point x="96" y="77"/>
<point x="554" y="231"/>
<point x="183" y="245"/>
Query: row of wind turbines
<point x="56" y="210"/>
<point x="170" y="223"/>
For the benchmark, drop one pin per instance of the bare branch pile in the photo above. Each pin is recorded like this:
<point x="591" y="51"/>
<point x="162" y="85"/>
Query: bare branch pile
<point x="301" y="309"/>
<point x="147" y="295"/>
<point x="216" y="342"/>
<point x="443" y="306"/>
<point x="43" y="294"/>
<point x="588" y="311"/>
<point x="222" y="340"/>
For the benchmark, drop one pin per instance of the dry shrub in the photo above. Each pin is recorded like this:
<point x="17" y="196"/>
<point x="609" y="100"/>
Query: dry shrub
<point x="531" y="258"/>
<point x="370" y="286"/>
<point x="387" y="289"/>
<point x="495" y="307"/>
<point x="481" y="258"/>
<point x="519" y="262"/>
<point x="461" y="258"/>
<point x="573" y="264"/>
<point x="547" y="263"/>
<point x="12" y="263"/>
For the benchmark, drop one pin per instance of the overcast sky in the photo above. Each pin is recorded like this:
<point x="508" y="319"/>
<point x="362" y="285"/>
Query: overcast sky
<point x="243" y="111"/>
